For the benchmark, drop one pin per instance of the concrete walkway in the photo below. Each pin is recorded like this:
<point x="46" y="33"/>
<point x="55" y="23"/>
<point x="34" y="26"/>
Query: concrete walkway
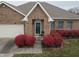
<point x="35" y="49"/>
<point x="8" y="48"/>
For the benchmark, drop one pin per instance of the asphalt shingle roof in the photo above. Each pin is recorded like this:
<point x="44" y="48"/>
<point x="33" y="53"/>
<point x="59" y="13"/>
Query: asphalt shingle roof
<point x="53" y="11"/>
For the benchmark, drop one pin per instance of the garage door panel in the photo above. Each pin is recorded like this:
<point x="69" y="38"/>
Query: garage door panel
<point x="10" y="31"/>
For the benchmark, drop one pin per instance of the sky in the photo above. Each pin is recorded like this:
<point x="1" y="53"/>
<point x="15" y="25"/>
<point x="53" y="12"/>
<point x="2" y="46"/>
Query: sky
<point x="62" y="4"/>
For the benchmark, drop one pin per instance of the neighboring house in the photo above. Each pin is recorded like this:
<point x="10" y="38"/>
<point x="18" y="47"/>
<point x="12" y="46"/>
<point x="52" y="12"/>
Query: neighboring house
<point x="33" y="18"/>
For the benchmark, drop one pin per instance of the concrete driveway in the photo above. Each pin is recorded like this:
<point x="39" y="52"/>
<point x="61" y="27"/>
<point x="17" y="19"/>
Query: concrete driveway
<point x="5" y="45"/>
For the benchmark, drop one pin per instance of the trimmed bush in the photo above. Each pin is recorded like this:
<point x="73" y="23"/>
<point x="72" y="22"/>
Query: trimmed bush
<point x="30" y="40"/>
<point x="76" y="33"/>
<point x="20" y="40"/>
<point x="53" y="40"/>
<point x="48" y="41"/>
<point x="67" y="33"/>
<point x="61" y="32"/>
<point x="24" y="40"/>
<point x="58" y="39"/>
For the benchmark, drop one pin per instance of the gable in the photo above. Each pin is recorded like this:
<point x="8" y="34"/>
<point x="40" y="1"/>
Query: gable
<point x="38" y="13"/>
<point x="12" y="7"/>
<point x="49" y="17"/>
<point x="8" y="15"/>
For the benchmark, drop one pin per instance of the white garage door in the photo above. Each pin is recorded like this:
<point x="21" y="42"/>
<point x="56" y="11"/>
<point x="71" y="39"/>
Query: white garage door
<point x="10" y="31"/>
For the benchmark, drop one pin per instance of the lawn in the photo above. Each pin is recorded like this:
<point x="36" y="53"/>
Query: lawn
<point x="70" y="49"/>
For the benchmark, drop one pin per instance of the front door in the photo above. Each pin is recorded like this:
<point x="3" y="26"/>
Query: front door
<point x="38" y="27"/>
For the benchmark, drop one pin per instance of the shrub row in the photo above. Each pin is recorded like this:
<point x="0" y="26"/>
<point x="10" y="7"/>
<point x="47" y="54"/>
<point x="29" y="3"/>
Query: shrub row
<point x="54" y="39"/>
<point x="24" y="40"/>
<point x="67" y="33"/>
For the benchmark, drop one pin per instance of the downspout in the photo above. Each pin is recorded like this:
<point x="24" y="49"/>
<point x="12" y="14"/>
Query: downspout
<point x="24" y="27"/>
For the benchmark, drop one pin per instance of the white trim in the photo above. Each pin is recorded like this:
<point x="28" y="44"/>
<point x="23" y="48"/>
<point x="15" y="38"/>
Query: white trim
<point x="26" y="17"/>
<point x="12" y="8"/>
<point x="37" y="21"/>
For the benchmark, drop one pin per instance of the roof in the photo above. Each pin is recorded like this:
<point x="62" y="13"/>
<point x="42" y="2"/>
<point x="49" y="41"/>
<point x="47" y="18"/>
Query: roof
<point x="53" y="11"/>
<point x="25" y="8"/>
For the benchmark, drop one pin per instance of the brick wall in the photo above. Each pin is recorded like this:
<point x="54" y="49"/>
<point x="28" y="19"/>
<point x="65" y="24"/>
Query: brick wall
<point x="9" y="16"/>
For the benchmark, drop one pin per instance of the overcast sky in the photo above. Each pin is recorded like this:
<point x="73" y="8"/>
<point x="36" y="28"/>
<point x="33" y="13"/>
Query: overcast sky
<point x="62" y="4"/>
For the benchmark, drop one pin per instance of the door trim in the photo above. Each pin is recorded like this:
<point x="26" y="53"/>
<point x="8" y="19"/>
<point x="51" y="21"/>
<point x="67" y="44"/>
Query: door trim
<point x="37" y="21"/>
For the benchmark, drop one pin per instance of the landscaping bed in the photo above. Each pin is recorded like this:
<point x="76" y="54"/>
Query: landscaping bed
<point x="70" y="49"/>
<point x="59" y="43"/>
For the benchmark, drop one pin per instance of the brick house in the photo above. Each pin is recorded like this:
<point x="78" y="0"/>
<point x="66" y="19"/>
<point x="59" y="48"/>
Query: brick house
<point x="33" y="18"/>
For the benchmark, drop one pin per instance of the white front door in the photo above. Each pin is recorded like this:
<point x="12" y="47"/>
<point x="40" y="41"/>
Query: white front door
<point x="37" y="27"/>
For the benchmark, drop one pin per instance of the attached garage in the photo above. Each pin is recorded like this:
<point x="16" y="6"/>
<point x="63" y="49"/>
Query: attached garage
<point x="11" y="31"/>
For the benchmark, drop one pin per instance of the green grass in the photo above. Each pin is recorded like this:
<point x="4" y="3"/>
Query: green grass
<point x="70" y="49"/>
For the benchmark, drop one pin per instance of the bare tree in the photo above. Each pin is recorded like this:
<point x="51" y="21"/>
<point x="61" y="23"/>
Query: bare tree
<point x="74" y="10"/>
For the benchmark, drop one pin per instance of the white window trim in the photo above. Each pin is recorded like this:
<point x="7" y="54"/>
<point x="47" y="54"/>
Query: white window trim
<point x="26" y="17"/>
<point x="69" y="28"/>
<point x="12" y="8"/>
<point x="50" y="26"/>
<point x="59" y="24"/>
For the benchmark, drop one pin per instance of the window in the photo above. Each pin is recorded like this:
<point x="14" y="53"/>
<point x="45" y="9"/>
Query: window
<point x="52" y="24"/>
<point x="69" y="24"/>
<point x="60" y="24"/>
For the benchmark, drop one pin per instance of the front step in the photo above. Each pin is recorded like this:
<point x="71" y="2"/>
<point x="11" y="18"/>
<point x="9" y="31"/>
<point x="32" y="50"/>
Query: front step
<point x="38" y="38"/>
